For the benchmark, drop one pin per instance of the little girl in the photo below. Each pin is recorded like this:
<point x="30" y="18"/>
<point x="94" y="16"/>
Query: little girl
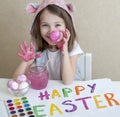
<point x="61" y="60"/>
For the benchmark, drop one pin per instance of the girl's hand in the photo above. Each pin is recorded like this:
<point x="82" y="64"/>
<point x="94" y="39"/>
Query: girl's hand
<point x="66" y="38"/>
<point x="27" y="53"/>
<point x="63" y="44"/>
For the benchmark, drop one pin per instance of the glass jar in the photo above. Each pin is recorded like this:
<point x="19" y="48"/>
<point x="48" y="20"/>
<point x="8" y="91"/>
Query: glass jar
<point x="38" y="75"/>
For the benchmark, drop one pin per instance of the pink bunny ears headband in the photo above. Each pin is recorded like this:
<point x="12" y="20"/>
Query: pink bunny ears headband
<point x="36" y="8"/>
<point x="32" y="7"/>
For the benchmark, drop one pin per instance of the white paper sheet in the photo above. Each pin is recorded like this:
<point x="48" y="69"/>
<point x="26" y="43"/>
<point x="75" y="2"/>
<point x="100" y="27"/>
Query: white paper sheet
<point x="3" y="110"/>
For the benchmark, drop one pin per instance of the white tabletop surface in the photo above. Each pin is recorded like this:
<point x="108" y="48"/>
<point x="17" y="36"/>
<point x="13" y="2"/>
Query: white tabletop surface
<point x="4" y="93"/>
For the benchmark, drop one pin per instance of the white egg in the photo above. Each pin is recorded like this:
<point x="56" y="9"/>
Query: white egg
<point x="23" y="91"/>
<point x="23" y="85"/>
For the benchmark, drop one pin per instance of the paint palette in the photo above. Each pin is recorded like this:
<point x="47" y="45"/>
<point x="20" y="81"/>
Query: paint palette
<point x="19" y="107"/>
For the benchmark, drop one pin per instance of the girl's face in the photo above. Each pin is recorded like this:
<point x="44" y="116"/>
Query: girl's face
<point x="48" y="23"/>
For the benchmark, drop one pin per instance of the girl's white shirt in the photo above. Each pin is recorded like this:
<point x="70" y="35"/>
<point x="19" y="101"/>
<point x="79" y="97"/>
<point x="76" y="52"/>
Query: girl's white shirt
<point x="54" y="60"/>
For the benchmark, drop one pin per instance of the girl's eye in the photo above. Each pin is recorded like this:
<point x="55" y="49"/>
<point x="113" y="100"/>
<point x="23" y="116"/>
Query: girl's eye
<point x="44" y="25"/>
<point x="57" y="25"/>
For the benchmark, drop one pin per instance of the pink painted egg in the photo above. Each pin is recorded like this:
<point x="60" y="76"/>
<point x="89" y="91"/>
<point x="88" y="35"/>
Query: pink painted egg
<point x="10" y="83"/>
<point x="13" y="85"/>
<point x="54" y="35"/>
<point x="21" y="78"/>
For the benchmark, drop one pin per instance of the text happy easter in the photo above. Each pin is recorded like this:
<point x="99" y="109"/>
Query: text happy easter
<point x="73" y="103"/>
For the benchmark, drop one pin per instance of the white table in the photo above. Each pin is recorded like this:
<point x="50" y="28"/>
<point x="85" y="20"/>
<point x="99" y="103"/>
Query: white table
<point x="4" y="93"/>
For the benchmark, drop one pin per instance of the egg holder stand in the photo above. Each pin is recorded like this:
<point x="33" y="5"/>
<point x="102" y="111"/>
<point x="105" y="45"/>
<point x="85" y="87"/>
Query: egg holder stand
<point x="20" y="92"/>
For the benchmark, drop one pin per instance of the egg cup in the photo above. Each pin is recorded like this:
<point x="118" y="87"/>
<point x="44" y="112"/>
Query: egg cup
<point x="19" y="92"/>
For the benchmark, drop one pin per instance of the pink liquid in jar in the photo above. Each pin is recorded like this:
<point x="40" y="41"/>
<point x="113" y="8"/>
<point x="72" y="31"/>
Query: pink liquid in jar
<point x="38" y="75"/>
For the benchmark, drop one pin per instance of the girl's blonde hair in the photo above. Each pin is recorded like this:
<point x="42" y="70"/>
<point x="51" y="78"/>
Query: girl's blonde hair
<point x="35" y="29"/>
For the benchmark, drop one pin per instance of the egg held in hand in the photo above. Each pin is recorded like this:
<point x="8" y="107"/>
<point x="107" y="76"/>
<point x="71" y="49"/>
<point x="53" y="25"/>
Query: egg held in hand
<point x="54" y="35"/>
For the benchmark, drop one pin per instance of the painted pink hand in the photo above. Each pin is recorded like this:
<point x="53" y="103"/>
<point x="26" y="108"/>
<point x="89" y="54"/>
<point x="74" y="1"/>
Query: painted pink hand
<point x="64" y="42"/>
<point x="27" y="53"/>
<point x="60" y="44"/>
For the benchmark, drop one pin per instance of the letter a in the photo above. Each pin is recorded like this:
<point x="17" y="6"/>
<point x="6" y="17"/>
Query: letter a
<point x="55" y="93"/>
<point x="53" y="108"/>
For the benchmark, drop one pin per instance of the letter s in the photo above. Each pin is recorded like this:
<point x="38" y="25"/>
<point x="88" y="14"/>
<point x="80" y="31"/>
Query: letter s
<point x="68" y="102"/>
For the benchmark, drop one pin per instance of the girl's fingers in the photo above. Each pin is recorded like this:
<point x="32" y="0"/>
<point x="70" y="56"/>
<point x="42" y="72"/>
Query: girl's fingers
<point x="22" y="49"/>
<point x="25" y="45"/>
<point x="67" y="34"/>
<point x="64" y="39"/>
<point x="31" y="47"/>
<point x="26" y="52"/>
<point x="20" y="55"/>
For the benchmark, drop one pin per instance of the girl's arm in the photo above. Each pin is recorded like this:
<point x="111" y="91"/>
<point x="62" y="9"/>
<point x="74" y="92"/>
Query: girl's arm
<point x="28" y="55"/>
<point x="68" y="68"/>
<point x="22" y="68"/>
<point x="68" y="63"/>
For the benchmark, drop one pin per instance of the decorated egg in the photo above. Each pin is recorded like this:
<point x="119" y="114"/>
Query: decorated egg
<point x="13" y="85"/>
<point x="23" y="85"/>
<point x="21" y="78"/>
<point x="54" y="35"/>
<point x="10" y="83"/>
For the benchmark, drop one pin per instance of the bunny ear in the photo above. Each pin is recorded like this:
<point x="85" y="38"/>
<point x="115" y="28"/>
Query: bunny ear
<point x="71" y="7"/>
<point x="32" y="7"/>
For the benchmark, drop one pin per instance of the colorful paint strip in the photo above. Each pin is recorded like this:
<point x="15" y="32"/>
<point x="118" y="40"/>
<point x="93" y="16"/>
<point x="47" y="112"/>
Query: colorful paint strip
<point x="19" y="107"/>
